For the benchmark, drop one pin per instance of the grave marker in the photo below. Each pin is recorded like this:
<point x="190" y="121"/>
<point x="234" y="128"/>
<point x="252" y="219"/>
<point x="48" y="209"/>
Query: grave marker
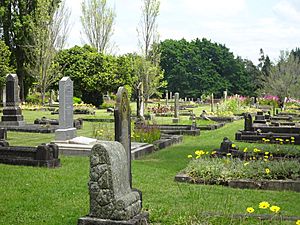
<point x="176" y="108"/>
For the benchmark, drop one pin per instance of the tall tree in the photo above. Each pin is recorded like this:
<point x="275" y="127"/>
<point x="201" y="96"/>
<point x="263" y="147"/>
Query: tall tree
<point x="49" y="35"/>
<point x="16" y="18"/>
<point x="150" y="72"/>
<point x="4" y="62"/>
<point x="97" y="20"/>
<point x="284" y="78"/>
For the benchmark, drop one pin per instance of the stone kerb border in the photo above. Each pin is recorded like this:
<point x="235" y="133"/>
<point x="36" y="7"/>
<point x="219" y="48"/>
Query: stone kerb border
<point x="277" y="185"/>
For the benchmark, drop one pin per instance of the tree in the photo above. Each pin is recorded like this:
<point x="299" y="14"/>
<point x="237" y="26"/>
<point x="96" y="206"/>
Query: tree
<point x="49" y="35"/>
<point x="97" y="20"/>
<point x="16" y="18"/>
<point x="4" y="63"/>
<point x="95" y="73"/>
<point x="149" y="71"/>
<point x="284" y="78"/>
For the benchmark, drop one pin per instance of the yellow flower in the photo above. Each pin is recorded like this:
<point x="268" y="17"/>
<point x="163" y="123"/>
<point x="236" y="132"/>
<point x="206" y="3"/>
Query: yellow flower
<point x="245" y="164"/>
<point x="298" y="222"/>
<point x="267" y="170"/>
<point x="292" y="138"/>
<point x="250" y="210"/>
<point x="275" y="208"/>
<point x="264" y="205"/>
<point x="199" y="152"/>
<point x="265" y="160"/>
<point x="190" y="156"/>
<point x="267" y="140"/>
<point x="233" y="145"/>
<point x="206" y="153"/>
<point x="266" y="153"/>
<point x="198" y="156"/>
<point x="228" y="154"/>
<point x="281" y="143"/>
<point x="287" y="140"/>
<point x="245" y="149"/>
<point x="271" y="155"/>
<point x="292" y="141"/>
<point x="266" y="156"/>
<point x="213" y="152"/>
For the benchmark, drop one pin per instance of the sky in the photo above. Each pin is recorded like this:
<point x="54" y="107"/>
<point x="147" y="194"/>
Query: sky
<point x="244" y="26"/>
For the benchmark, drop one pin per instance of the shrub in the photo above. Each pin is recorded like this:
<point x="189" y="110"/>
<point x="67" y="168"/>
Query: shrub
<point x="77" y="100"/>
<point x="145" y="133"/>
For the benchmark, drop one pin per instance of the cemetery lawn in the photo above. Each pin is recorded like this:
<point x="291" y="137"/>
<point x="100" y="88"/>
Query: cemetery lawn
<point x="32" y="195"/>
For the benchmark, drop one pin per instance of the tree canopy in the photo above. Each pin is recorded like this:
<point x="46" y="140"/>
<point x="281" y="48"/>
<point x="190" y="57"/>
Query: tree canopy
<point x="202" y="67"/>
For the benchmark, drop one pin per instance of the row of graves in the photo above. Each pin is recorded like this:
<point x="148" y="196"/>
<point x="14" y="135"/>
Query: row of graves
<point x="112" y="198"/>
<point x="282" y="128"/>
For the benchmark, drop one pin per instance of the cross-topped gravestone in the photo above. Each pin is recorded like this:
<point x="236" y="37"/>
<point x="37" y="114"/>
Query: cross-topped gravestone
<point x="123" y="124"/>
<point x="66" y="129"/>
<point x="12" y="113"/>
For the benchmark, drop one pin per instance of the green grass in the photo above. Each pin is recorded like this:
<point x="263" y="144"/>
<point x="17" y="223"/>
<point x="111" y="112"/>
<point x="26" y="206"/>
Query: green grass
<point x="59" y="196"/>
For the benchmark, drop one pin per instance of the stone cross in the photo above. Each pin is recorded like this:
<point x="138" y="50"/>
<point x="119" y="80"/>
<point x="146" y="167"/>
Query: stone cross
<point x="112" y="201"/>
<point x="140" y="102"/>
<point x="12" y="113"/>
<point x="123" y="124"/>
<point x="212" y="102"/>
<point x="66" y="129"/>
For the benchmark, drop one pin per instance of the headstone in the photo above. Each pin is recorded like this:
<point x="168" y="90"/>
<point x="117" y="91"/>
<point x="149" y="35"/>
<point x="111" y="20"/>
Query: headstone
<point x="167" y="97"/>
<point x="140" y="102"/>
<point x="12" y="113"/>
<point x="171" y="95"/>
<point x="212" y="102"/>
<point x="176" y="108"/>
<point x="185" y="99"/>
<point x="198" y="101"/>
<point x="112" y="201"/>
<point x="226" y="145"/>
<point x="248" y="124"/>
<point x="123" y="124"/>
<point x="66" y="129"/>
<point x="225" y="95"/>
<point x="260" y="117"/>
<point x="4" y="96"/>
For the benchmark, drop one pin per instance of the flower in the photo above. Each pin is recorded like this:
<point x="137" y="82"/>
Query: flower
<point x="267" y="170"/>
<point x="246" y="163"/>
<point x="275" y="208"/>
<point x="298" y="222"/>
<point x="266" y="153"/>
<point x="228" y="154"/>
<point x="264" y="205"/>
<point x="213" y="152"/>
<point x="198" y="156"/>
<point x="292" y="138"/>
<point x="199" y="152"/>
<point x="266" y="156"/>
<point x="287" y="140"/>
<point x="245" y="149"/>
<point x="190" y="156"/>
<point x="233" y="145"/>
<point x="250" y="210"/>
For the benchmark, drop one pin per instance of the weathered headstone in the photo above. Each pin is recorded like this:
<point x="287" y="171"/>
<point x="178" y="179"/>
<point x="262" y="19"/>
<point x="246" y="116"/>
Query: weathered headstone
<point x="176" y="108"/>
<point x="212" y="102"/>
<point x="12" y="113"/>
<point x="140" y="102"/>
<point x="248" y="124"/>
<point x="198" y="100"/>
<point x="171" y="95"/>
<point x="112" y="201"/>
<point x="123" y="124"/>
<point x="66" y="129"/>
<point x="225" y="95"/>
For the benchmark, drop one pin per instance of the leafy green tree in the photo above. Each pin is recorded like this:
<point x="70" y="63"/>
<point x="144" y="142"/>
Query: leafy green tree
<point x="4" y="63"/>
<point x="201" y="67"/>
<point x="17" y="20"/>
<point x="94" y="73"/>
<point x="284" y="78"/>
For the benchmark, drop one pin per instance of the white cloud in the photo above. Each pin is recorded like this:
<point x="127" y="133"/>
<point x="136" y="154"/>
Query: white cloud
<point x="288" y="10"/>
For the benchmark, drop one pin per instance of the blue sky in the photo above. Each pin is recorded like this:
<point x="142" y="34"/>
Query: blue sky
<point x="244" y="26"/>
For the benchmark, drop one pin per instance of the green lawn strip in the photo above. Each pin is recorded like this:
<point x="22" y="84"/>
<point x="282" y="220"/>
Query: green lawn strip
<point x="60" y="196"/>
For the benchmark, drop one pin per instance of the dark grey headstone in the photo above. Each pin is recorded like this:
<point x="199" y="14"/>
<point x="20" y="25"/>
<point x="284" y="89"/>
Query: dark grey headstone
<point x="123" y="124"/>
<point x="12" y="113"/>
<point x="248" y="124"/>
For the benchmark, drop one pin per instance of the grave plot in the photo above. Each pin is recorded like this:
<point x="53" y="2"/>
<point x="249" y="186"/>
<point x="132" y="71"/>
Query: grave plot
<point x="267" y="168"/>
<point x="42" y="155"/>
<point x="261" y="130"/>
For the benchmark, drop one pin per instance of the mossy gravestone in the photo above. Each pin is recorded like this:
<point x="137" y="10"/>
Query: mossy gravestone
<point x="112" y="201"/>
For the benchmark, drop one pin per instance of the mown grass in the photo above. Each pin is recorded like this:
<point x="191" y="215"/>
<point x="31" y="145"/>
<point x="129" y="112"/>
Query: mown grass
<point x="60" y="196"/>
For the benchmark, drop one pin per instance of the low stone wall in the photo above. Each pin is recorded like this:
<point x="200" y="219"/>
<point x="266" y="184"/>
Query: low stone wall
<point x="278" y="185"/>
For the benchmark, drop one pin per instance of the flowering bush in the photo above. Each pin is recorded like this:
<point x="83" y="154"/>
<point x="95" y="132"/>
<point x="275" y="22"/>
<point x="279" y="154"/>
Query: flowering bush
<point x="145" y="133"/>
